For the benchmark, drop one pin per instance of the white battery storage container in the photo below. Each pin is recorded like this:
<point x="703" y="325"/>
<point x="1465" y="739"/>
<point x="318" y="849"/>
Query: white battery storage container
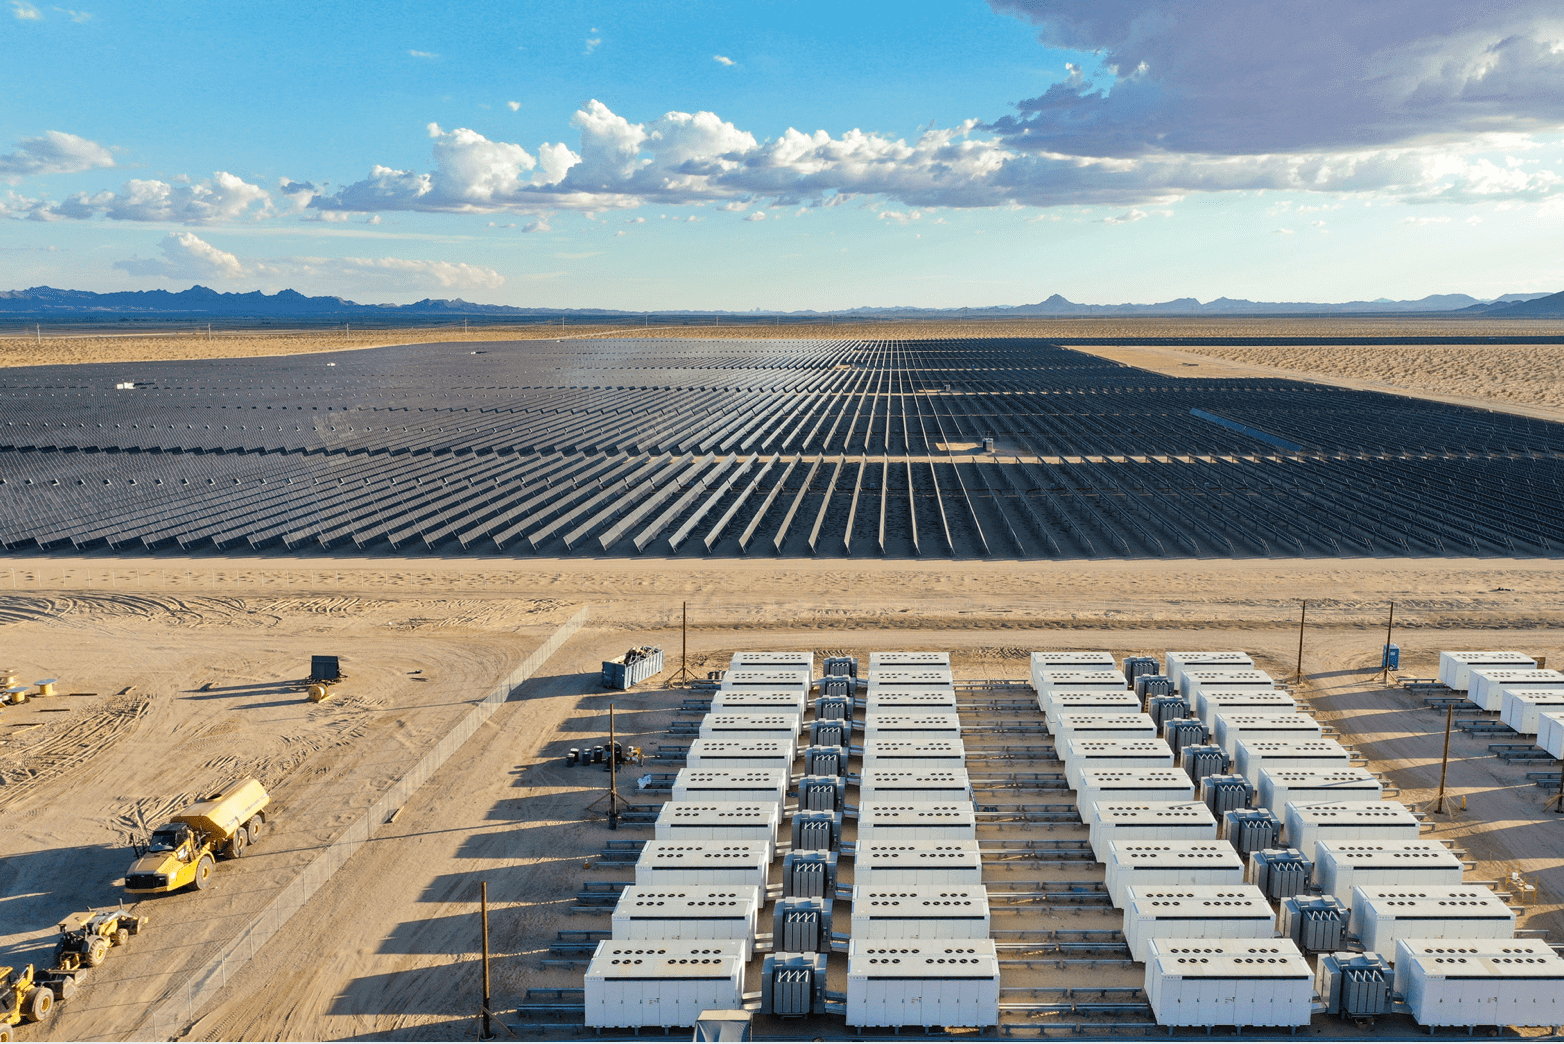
<point x="1197" y="680"/>
<point x="777" y="725"/>
<point x="731" y="784"/>
<point x="718" y="821"/>
<point x="727" y="753"/>
<point x="1195" y="912"/>
<point x="790" y="678"/>
<point x="1380" y="916"/>
<point x="1229" y="982"/>
<point x="1479" y="982"/>
<point x="927" y="912"/>
<point x="1076" y="680"/>
<point x="1128" y="785"/>
<point x="1212" y="702"/>
<point x="910" y="784"/>
<point x="911" y="727"/>
<point x="901" y="754"/>
<point x="916" y="821"/>
<point x="1486" y="687"/>
<point x="1091" y="755"/>
<point x="1522" y="709"/>
<point x="759" y="701"/>
<point x="904" y="701"/>
<point x="1279" y="786"/>
<point x="662" y="983"/>
<point x="664" y="864"/>
<point x="1232" y="726"/>
<point x="1149" y="821"/>
<point x="1159" y="864"/>
<point x="1455" y="668"/>
<point x="1321" y="755"/>
<point x="1065" y="661"/>
<point x="1341" y="866"/>
<point x="909" y="659"/>
<point x="688" y="913"/>
<point x="1176" y="663"/>
<point x="1307" y="824"/>
<point x="1089" y="701"/>
<point x="917" y="864"/>
<point x="797" y="661"/>
<point x="910" y="679"/>
<point x="1550" y="734"/>
<point x="1103" y="726"/>
<point x="919" y="982"/>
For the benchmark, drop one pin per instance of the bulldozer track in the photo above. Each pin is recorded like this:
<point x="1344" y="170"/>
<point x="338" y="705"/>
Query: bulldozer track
<point x="74" y="745"/>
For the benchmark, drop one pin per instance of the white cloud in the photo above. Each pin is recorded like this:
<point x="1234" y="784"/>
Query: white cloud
<point x="900" y="217"/>
<point x="224" y="198"/>
<point x="514" y="106"/>
<point x="76" y="16"/>
<point x="621" y="232"/>
<point x="1129" y="217"/>
<point x="1425" y="221"/>
<point x="25" y="12"/>
<point x="423" y="54"/>
<point x="186" y="256"/>
<point x="592" y="43"/>
<point x="1281" y="232"/>
<point x="54" y="153"/>
<point x="721" y="59"/>
<point x="759" y="215"/>
<point x="635" y="221"/>
<point x="540" y="225"/>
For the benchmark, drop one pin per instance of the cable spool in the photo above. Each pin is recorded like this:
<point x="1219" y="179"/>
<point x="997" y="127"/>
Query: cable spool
<point x="319" y="692"/>
<point x="16" y="694"/>
<point x="46" y="686"/>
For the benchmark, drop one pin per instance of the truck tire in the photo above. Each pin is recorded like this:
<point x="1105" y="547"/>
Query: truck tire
<point x="97" y="952"/>
<point x="5" y="1034"/>
<point x="236" y="843"/>
<point x="203" y="874"/>
<point x="121" y="936"/>
<point x="255" y="828"/>
<point x="40" y="1004"/>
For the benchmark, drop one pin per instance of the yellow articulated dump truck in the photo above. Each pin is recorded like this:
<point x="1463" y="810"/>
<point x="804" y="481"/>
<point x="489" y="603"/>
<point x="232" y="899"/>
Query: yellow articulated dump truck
<point x="184" y="852"/>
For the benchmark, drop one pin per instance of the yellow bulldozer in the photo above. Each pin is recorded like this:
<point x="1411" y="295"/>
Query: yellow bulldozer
<point x="184" y="852"/>
<point x="86" y="939"/>
<point x="22" y="998"/>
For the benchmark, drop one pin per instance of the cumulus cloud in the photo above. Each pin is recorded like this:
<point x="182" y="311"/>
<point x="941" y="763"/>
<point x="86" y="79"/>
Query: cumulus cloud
<point x="759" y="215"/>
<point x="1329" y="75"/>
<point x="514" y="106"/>
<point x="722" y="59"/>
<point x="56" y="152"/>
<point x="900" y="217"/>
<point x="1129" y="217"/>
<point x="25" y="12"/>
<point x="223" y="198"/>
<point x="186" y="256"/>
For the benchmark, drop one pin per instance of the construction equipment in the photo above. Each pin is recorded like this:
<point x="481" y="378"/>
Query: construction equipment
<point x="87" y="944"/>
<point x="185" y="850"/>
<point x="22" y="998"/>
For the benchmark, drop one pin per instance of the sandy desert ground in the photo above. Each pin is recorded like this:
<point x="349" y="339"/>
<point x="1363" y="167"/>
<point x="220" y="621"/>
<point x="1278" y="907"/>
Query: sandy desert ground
<point x="192" y="663"/>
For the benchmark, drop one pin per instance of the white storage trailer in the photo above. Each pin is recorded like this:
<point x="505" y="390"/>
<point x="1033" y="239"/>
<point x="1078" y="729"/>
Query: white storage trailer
<point x="1232" y="726"/>
<point x="1092" y="755"/>
<point x="760" y="753"/>
<point x="718" y="821"/>
<point x="918" y="982"/>
<point x="1479" y="982"/>
<point x="1127" y="785"/>
<point x="1380" y="916"/>
<point x="1103" y="726"/>
<point x="1212" y="702"/>
<point x="1455" y="668"/>
<point x="917" y="864"/>
<point x="910" y="784"/>
<point x="1087" y="701"/>
<point x="911" y="727"/>
<point x="1149" y="821"/>
<point x="1550" y="734"/>
<point x="688" y="913"/>
<point x="1522" y="709"/>
<point x="662" y="983"/>
<point x="1066" y="661"/>
<point x="798" y="661"/>
<point x="1311" y="822"/>
<point x="1486" y="687"/>
<point x="1147" y="864"/>
<point x="664" y="864"/>
<point x="904" y="701"/>
<point x="1341" y="866"/>
<point x="916" y="821"/>
<point x="1174" y="664"/>
<point x="909" y="659"/>
<point x="895" y="754"/>
<point x="1076" y="680"/>
<point x="938" y="912"/>
<point x="1279" y="786"/>
<point x="1229" y="982"/>
<point x="1319" y="755"/>
<point x="753" y="785"/>
<point x="1195" y="912"/>
<point x="759" y="701"/>
<point x="789" y="678"/>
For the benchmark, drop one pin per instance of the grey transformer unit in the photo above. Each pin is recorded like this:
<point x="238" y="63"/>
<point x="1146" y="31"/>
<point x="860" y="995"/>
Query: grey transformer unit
<point x="802" y="924"/>
<point x="1221" y="793"/>
<point x="1355" y="985"/>
<point x="809" y="874"/>
<point x="1204" y="759"/>
<point x="1166" y="708"/>
<point x="1251" y="830"/>
<point x="1317" y="923"/>
<point x="835" y="706"/>
<point x="831" y="732"/>
<point x="822" y="760"/>
<point x="792" y="985"/>
<point x="1184" y="732"/>
<point x="821" y="794"/>
<point x="817" y="831"/>
<point x="1279" y="872"/>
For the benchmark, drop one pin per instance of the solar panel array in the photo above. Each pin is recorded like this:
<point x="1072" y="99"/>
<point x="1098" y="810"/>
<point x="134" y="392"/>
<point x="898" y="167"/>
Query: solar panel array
<point x="786" y="447"/>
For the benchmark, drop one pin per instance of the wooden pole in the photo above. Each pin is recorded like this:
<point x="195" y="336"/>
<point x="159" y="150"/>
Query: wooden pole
<point x="684" y="640"/>
<point x="483" y="899"/>
<point x="613" y="774"/>
<point x="1385" y="655"/>
<point x="1444" y="765"/>
<point x="1302" y="613"/>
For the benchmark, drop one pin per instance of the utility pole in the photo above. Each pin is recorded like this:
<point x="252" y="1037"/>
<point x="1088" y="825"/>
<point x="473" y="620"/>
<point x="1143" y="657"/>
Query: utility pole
<point x="1303" y="612"/>
<point x="1444" y="765"/>
<point x="483" y="899"/>
<point x="613" y="774"/>
<point x="682" y="676"/>
<point x="1386" y="655"/>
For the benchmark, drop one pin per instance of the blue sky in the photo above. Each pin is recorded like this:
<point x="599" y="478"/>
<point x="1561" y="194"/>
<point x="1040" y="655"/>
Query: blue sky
<point x="791" y="155"/>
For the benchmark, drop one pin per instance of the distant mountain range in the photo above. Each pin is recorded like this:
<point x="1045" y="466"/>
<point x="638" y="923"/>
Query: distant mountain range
<point x="204" y="302"/>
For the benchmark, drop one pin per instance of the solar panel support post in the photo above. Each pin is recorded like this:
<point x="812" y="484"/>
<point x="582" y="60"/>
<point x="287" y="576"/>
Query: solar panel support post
<point x="1385" y="656"/>
<point x="1444" y="764"/>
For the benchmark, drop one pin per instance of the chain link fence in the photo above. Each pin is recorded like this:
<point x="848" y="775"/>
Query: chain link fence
<point x="175" y="1014"/>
